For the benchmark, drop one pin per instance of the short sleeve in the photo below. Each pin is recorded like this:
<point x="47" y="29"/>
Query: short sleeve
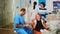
<point x="16" y="20"/>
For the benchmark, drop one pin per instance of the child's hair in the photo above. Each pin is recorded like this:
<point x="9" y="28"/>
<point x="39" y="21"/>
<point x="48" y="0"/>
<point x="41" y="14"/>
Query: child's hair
<point x="39" y="15"/>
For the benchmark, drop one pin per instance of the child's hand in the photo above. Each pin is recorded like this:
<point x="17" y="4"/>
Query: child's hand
<point x="48" y="29"/>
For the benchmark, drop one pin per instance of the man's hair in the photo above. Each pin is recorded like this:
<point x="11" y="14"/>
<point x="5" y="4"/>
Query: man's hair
<point x="43" y="3"/>
<point x="23" y="9"/>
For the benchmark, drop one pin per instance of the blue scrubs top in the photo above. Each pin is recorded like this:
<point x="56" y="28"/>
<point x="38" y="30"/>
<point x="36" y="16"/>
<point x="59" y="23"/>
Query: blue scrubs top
<point x="18" y="19"/>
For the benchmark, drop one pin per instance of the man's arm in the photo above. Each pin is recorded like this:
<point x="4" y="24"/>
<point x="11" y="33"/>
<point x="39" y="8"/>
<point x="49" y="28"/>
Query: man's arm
<point x="26" y="22"/>
<point x="16" y="22"/>
<point x="19" y="25"/>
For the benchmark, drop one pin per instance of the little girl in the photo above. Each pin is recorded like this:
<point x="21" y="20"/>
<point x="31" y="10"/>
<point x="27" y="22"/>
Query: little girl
<point x="38" y="24"/>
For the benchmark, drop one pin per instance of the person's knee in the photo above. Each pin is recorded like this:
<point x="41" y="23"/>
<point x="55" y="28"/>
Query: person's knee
<point x="22" y="33"/>
<point x="25" y="33"/>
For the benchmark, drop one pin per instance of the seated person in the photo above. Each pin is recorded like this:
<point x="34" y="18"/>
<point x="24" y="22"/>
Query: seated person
<point x="19" y="22"/>
<point x="38" y="24"/>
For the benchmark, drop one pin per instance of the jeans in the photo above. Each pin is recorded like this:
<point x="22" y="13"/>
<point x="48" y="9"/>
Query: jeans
<point x="21" y="31"/>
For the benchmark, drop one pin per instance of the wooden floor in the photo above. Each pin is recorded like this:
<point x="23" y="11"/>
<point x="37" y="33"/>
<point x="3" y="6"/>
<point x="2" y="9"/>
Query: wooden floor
<point x="8" y="29"/>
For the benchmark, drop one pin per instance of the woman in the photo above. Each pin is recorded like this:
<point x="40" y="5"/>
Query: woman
<point x="33" y="10"/>
<point x="42" y="6"/>
<point x="38" y="24"/>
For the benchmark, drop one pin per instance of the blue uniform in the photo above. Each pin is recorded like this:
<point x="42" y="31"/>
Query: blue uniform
<point x="18" y="19"/>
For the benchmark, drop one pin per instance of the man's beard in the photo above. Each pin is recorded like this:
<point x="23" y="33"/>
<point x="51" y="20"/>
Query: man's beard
<point x="22" y="14"/>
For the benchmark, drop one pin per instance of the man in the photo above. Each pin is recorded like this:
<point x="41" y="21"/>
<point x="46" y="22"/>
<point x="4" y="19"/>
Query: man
<point x="19" y="22"/>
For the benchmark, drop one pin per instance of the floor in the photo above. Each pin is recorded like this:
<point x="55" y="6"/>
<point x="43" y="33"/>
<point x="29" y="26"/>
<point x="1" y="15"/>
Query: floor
<point x="8" y="29"/>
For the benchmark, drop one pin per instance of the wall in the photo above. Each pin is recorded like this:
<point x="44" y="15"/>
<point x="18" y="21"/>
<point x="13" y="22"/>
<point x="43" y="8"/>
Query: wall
<point x="18" y="4"/>
<point x="1" y="11"/>
<point x="49" y="5"/>
<point x="56" y="0"/>
<point x="7" y="12"/>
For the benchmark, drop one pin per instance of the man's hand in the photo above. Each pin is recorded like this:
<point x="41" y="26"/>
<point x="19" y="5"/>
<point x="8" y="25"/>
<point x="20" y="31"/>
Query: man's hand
<point x="19" y="25"/>
<point x="24" y="25"/>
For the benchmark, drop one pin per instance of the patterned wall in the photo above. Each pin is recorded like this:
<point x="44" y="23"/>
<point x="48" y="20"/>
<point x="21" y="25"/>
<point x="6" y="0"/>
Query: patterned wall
<point x="1" y="10"/>
<point x="6" y="12"/>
